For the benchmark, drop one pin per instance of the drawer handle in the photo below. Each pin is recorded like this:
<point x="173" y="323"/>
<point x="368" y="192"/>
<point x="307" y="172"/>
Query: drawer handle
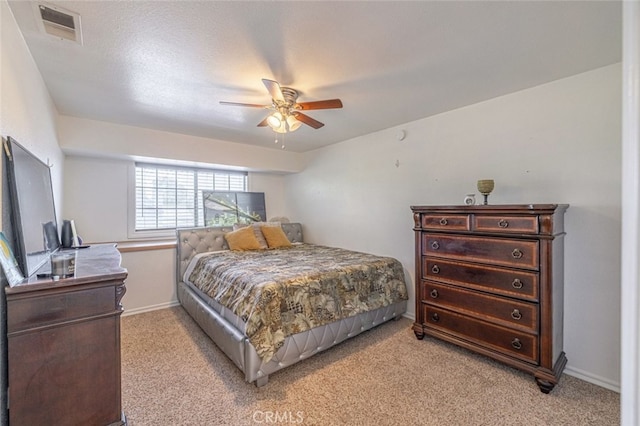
<point x="516" y="343"/>
<point x="434" y="293"/>
<point x="443" y="221"/>
<point x="516" y="283"/>
<point x="435" y="269"/>
<point x="435" y="317"/>
<point x="435" y="245"/>
<point x="516" y="315"/>
<point x="516" y="254"/>
<point x="503" y="223"/>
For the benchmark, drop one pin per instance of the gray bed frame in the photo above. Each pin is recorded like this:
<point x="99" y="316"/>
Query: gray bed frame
<point x="232" y="341"/>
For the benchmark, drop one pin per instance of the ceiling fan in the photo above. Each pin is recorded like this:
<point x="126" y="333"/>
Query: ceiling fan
<point x="286" y="116"/>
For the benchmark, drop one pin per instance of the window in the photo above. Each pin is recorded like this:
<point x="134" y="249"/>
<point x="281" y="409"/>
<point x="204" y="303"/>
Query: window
<point x="169" y="197"/>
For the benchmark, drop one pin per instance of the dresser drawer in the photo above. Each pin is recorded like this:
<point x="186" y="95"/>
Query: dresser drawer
<point x="58" y="307"/>
<point x="503" y="281"/>
<point x="456" y="222"/>
<point x="498" y="251"/>
<point x="515" y="224"/>
<point x="500" y="310"/>
<point x="512" y="342"/>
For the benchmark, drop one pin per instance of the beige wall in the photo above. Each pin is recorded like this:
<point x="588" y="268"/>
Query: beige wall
<point x="556" y="143"/>
<point x="79" y="136"/>
<point x="28" y="115"/>
<point x="27" y="112"/>
<point x="151" y="283"/>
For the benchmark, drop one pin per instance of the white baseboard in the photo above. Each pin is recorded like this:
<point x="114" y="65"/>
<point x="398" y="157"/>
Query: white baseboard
<point x="409" y="315"/>
<point x="143" y="309"/>
<point x="592" y="378"/>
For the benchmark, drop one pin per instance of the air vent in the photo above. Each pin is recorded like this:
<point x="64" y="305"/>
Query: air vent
<point x="57" y="19"/>
<point x="58" y="22"/>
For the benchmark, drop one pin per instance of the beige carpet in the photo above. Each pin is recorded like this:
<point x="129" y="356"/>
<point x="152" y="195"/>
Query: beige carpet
<point x="172" y="374"/>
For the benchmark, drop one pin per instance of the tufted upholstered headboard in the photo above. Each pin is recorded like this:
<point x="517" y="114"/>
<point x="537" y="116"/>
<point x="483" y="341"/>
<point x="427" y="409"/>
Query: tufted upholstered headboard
<point x="192" y="241"/>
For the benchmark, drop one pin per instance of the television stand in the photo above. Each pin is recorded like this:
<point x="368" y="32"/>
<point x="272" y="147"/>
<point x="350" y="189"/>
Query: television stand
<point x="64" y="344"/>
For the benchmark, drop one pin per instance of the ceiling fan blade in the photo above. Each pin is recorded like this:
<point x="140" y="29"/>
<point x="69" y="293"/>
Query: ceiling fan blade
<point x="328" y="104"/>
<point x="244" y="105"/>
<point x="274" y="89"/>
<point x="308" y="120"/>
<point x="263" y="123"/>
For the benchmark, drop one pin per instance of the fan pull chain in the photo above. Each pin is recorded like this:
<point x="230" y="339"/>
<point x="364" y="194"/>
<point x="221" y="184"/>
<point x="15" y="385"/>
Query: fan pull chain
<point x="276" y="141"/>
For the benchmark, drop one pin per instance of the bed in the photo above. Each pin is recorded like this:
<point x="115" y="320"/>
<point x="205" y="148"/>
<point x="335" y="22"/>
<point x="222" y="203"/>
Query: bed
<point x="292" y="307"/>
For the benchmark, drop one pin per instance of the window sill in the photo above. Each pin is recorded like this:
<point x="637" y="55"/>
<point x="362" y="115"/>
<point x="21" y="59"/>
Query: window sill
<point x="132" y="246"/>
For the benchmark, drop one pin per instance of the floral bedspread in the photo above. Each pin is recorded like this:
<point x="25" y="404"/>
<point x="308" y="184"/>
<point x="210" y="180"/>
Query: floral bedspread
<point x="284" y="291"/>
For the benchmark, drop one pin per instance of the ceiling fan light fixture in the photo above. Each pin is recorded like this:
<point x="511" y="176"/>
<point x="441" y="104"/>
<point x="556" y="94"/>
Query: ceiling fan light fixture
<point x="275" y="120"/>
<point x="282" y="128"/>
<point x="293" y="123"/>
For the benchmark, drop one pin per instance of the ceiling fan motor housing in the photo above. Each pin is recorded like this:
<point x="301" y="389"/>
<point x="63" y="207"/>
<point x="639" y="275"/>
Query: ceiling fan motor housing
<point x="290" y="97"/>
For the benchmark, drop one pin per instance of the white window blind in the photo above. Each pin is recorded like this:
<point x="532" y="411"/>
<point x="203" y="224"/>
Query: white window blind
<point x="171" y="197"/>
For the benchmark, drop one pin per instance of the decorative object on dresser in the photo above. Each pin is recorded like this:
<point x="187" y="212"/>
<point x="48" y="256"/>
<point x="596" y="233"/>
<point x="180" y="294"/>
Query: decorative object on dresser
<point x="490" y="279"/>
<point x="485" y="186"/>
<point x="63" y="340"/>
<point x="470" y="199"/>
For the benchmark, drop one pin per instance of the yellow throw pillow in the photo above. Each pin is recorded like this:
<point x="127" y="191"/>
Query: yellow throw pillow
<point x="256" y="230"/>
<point x="242" y="239"/>
<point x="275" y="236"/>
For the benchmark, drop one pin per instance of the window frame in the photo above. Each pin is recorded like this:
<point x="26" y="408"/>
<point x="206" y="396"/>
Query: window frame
<point x="145" y="234"/>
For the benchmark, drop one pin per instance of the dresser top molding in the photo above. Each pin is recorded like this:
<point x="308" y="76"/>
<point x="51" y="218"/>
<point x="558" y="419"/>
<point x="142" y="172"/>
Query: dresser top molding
<point x="550" y="216"/>
<point x="496" y="208"/>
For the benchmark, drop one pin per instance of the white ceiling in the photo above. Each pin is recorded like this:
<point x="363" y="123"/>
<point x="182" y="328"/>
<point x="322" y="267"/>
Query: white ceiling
<point x="166" y="64"/>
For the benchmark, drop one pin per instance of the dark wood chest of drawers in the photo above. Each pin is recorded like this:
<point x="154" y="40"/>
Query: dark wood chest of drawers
<point x="490" y="279"/>
<point x="64" y="344"/>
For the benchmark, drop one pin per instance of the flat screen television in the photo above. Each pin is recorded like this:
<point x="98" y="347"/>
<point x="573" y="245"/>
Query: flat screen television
<point x="33" y="213"/>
